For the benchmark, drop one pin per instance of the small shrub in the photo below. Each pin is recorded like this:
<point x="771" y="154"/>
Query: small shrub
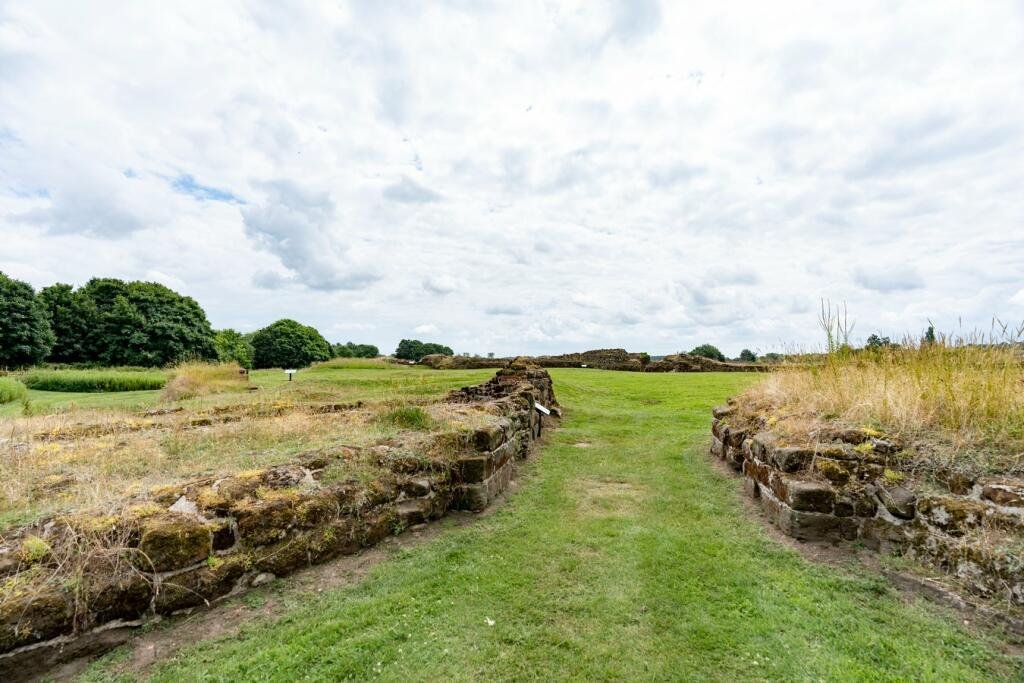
<point x="11" y="390"/>
<point x="748" y="356"/>
<point x="92" y="381"/>
<point x="189" y="380"/>
<point x="408" y="417"/>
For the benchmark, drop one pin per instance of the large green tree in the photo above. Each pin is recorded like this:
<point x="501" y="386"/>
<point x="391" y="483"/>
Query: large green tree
<point x="25" y="334"/>
<point x="146" y="323"/>
<point x="414" y="349"/>
<point x="289" y="344"/>
<point x="233" y="346"/>
<point x="73" y="318"/>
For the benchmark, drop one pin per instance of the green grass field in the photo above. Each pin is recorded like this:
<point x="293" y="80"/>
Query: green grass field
<point x="623" y="556"/>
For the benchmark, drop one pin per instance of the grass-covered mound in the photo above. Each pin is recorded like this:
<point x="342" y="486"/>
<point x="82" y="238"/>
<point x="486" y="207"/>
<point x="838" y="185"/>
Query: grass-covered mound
<point x="189" y="380"/>
<point x="95" y="380"/>
<point x="11" y="390"/>
<point x="954" y="400"/>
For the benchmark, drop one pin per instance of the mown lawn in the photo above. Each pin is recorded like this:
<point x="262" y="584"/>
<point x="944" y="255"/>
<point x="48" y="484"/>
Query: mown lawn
<point x="627" y="559"/>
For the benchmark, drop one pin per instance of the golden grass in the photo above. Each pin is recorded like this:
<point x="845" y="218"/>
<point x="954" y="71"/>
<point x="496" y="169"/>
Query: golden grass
<point x="95" y="459"/>
<point x="960" y="399"/>
<point x="189" y="380"/>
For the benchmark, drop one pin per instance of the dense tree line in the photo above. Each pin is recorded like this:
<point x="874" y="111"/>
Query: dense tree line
<point x="105" y="322"/>
<point x="414" y="349"/>
<point x="350" y="350"/>
<point x="112" y="322"/>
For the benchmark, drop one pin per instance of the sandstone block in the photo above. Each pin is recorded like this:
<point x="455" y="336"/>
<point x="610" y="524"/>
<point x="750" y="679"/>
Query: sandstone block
<point x="172" y="541"/>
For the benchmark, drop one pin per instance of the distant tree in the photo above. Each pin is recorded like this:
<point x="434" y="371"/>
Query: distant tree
<point x="25" y="334"/>
<point x="708" y="351"/>
<point x="490" y="354"/>
<point x="771" y="357"/>
<point x="645" y="358"/>
<point x="350" y="350"/>
<point x="414" y="349"/>
<point x="289" y="344"/>
<point x="145" y="323"/>
<point x="877" y="342"/>
<point x="233" y="346"/>
<point x="748" y="356"/>
<point x="929" y="335"/>
<point x="74" y="318"/>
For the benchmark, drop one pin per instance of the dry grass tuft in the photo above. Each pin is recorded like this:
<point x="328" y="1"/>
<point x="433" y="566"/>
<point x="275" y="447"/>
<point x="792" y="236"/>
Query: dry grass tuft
<point x="189" y="380"/>
<point x="960" y="398"/>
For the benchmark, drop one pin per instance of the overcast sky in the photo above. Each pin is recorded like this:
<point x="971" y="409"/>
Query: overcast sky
<point x="524" y="176"/>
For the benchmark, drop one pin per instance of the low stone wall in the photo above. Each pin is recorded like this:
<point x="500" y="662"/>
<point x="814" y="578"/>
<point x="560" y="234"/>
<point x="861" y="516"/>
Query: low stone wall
<point x="194" y="543"/>
<point x="847" y="484"/>
<point x="601" y="359"/>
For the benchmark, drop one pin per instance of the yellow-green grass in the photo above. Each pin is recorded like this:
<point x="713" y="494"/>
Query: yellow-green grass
<point x="623" y="555"/>
<point x="11" y="390"/>
<point x="99" y="380"/>
<point x="84" y="450"/>
<point x="189" y="380"/>
<point x="963" y="401"/>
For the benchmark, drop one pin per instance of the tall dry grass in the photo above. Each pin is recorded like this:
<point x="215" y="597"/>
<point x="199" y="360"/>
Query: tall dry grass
<point x="960" y="396"/>
<point x="190" y="380"/>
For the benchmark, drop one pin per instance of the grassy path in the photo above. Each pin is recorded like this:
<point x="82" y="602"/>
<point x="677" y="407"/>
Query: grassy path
<point x="626" y="559"/>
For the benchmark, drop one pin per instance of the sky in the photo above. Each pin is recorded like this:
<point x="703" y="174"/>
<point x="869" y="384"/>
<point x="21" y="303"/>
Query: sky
<point x="525" y="177"/>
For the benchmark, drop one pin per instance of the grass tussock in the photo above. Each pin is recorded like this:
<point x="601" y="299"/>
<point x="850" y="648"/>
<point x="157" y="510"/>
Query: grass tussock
<point x="189" y="380"/>
<point x="86" y="381"/>
<point x="408" y="417"/>
<point x="11" y="390"/>
<point x="957" y="398"/>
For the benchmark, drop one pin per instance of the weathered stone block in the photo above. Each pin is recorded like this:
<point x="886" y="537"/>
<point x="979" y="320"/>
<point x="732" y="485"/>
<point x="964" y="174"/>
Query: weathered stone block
<point x="717" y="447"/>
<point x="1003" y="491"/>
<point x="761" y="444"/>
<point x="34" y="615"/>
<point x="955" y="516"/>
<point x="898" y="500"/>
<point x="199" y="586"/>
<point x="792" y="458"/>
<point x="799" y="524"/>
<point x="734" y="437"/>
<point x="490" y="437"/>
<point x="264" y="520"/>
<point x="722" y="411"/>
<point x="806" y="496"/>
<point x="172" y="541"/>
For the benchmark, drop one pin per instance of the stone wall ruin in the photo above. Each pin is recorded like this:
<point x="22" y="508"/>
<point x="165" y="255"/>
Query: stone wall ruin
<point x="849" y="484"/>
<point x="191" y="544"/>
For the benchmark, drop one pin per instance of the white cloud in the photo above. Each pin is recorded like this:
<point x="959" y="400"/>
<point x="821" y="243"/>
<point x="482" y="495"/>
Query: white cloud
<point x="532" y="177"/>
<point x="427" y="328"/>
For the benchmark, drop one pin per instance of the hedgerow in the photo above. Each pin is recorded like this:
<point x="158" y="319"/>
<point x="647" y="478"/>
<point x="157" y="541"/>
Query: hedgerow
<point x="94" y="380"/>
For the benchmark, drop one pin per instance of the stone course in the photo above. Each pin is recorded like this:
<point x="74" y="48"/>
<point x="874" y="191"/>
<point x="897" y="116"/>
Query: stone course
<point x="846" y="484"/>
<point x="190" y="544"/>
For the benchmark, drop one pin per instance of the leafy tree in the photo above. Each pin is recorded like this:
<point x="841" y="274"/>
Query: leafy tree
<point x="350" y="350"/>
<point x="645" y="359"/>
<point x="748" y="356"/>
<point x="772" y="357"/>
<point x="233" y="346"/>
<point x="929" y="335"/>
<point x="25" y="334"/>
<point x="146" y="323"/>
<point x="289" y="344"/>
<point x="708" y="351"/>
<point x="414" y="349"/>
<point x="877" y="343"/>
<point x="74" y="318"/>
